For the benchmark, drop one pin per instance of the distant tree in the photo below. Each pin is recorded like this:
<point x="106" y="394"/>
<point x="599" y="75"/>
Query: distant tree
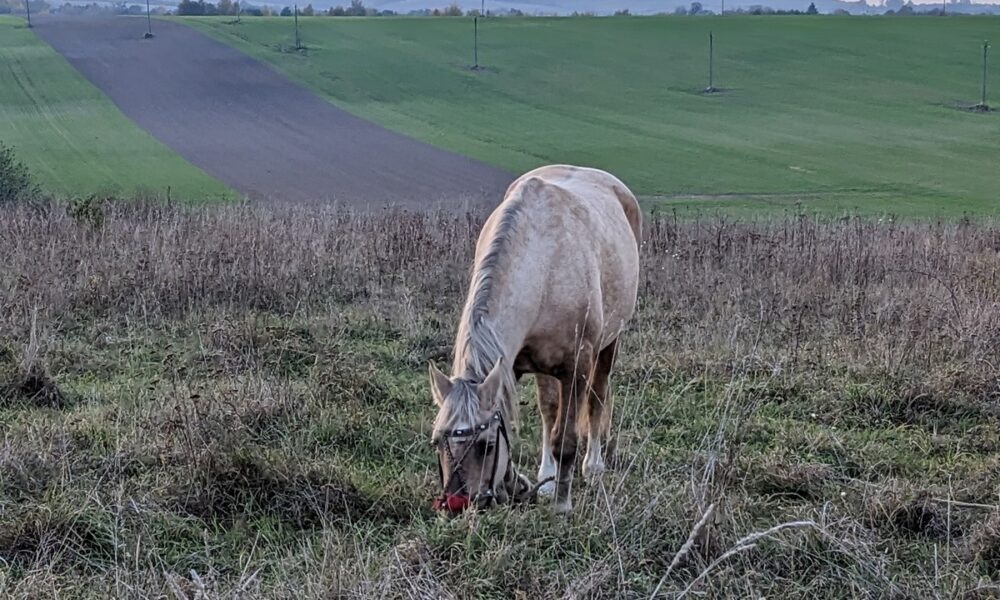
<point x="680" y="11"/>
<point x="286" y="12"/>
<point x="622" y="13"/>
<point x="436" y="12"/>
<point x="308" y="11"/>
<point x="840" y="12"/>
<point x="337" y="11"/>
<point x="453" y="10"/>
<point x="188" y="7"/>
<point x="695" y="8"/>
<point x="812" y="9"/>
<point x="357" y="9"/>
<point x="225" y="7"/>
<point x="266" y="11"/>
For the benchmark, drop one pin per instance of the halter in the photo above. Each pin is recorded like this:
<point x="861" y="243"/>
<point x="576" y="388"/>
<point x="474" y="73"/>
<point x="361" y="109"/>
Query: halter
<point x="456" y="471"/>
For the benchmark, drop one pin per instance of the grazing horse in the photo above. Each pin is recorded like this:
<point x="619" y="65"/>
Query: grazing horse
<point x="553" y="285"/>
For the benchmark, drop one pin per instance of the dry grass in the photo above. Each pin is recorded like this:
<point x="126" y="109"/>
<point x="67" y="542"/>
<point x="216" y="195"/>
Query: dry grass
<point x="231" y="403"/>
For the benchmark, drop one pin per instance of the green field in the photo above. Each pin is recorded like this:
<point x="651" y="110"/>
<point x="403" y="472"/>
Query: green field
<point x="72" y="138"/>
<point x="860" y="114"/>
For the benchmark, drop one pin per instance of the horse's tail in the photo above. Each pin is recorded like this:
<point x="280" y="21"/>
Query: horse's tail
<point x="632" y="211"/>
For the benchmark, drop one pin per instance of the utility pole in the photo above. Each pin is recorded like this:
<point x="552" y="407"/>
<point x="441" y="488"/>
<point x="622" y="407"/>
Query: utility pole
<point x="27" y="8"/>
<point x="986" y="49"/>
<point x="149" y="23"/>
<point x="711" y="64"/>
<point x="475" y="26"/>
<point x="298" y="40"/>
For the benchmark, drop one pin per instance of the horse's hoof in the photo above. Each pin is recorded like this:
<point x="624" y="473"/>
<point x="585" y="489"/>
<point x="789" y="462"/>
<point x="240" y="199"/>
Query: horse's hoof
<point x="562" y="507"/>
<point x="547" y="490"/>
<point x="592" y="473"/>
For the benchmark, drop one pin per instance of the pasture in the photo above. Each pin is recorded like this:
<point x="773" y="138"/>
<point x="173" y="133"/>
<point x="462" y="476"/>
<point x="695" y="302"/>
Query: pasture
<point x="839" y="114"/>
<point x="73" y="139"/>
<point x="233" y="402"/>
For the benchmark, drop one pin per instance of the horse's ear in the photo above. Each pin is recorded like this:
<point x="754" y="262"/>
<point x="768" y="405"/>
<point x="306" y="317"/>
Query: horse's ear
<point x="487" y="390"/>
<point x="440" y="384"/>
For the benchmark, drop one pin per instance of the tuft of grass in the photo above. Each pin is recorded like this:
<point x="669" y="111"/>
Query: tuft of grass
<point x="984" y="544"/>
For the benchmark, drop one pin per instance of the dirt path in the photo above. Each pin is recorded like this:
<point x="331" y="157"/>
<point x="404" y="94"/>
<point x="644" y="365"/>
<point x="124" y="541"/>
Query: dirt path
<point x="253" y="128"/>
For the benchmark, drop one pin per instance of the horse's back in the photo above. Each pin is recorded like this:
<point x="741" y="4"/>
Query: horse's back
<point x="578" y="247"/>
<point x="584" y="183"/>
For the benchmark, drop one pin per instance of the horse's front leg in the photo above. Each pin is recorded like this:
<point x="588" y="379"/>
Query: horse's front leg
<point x="574" y="383"/>
<point x="548" y="406"/>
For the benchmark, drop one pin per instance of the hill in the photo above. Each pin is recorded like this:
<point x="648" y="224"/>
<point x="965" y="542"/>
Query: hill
<point x="838" y="113"/>
<point x="72" y="138"/>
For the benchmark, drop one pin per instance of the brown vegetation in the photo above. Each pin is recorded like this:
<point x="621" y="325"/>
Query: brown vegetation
<point x="249" y="412"/>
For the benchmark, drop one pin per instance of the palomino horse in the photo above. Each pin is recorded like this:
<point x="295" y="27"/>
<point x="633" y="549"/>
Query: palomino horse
<point x="554" y="283"/>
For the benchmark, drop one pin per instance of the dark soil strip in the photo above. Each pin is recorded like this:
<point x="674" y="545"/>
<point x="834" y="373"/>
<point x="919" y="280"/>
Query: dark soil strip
<point x="253" y="128"/>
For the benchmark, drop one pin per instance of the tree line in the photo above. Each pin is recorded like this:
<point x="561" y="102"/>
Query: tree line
<point x="356" y="8"/>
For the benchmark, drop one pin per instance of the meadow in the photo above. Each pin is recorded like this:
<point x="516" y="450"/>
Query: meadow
<point x="231" y="402"/>
<point x="838" y="115"/>
<point x="73" y="139"/>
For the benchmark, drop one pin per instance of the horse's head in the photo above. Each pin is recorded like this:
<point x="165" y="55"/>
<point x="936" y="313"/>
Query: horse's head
<point x="471" y="439"/>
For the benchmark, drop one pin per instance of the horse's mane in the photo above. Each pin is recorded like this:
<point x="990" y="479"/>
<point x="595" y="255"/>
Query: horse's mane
<point x="477" y="345"/>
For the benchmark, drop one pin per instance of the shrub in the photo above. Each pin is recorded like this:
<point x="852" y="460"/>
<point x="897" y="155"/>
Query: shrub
<point x="15" y="179"/>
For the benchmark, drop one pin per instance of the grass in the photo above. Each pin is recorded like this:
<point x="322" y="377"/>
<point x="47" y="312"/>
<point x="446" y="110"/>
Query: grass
<point x="838" y="114"/>
<point x="233" y="401"/>
<point x="72" y="138"/>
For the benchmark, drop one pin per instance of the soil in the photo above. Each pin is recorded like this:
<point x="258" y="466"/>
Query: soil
<point x="254" y="129"/>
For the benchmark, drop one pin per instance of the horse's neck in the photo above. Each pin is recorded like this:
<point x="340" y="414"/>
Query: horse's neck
<point x="493" y="323"/>
<point x="478" y="346"/>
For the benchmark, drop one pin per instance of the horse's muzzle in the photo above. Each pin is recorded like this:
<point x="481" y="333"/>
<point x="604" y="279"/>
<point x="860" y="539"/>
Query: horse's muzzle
<point x="453" y="503"/>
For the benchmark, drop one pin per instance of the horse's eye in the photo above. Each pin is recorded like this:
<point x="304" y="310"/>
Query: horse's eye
<point x="482" y="447"/>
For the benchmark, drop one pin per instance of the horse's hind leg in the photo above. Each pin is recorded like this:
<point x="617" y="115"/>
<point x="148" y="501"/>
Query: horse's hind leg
<point x="548" y="406"/>
<point x="574" y="384"/>
<point x="599" y="413"/>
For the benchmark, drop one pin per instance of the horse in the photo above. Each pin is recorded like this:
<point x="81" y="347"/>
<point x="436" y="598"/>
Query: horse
<point x="554" y="283"/>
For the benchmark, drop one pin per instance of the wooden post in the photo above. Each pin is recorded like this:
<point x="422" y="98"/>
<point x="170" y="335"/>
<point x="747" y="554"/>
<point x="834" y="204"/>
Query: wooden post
<point x="27" y="8"/>
<point x="475" y="26"/>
